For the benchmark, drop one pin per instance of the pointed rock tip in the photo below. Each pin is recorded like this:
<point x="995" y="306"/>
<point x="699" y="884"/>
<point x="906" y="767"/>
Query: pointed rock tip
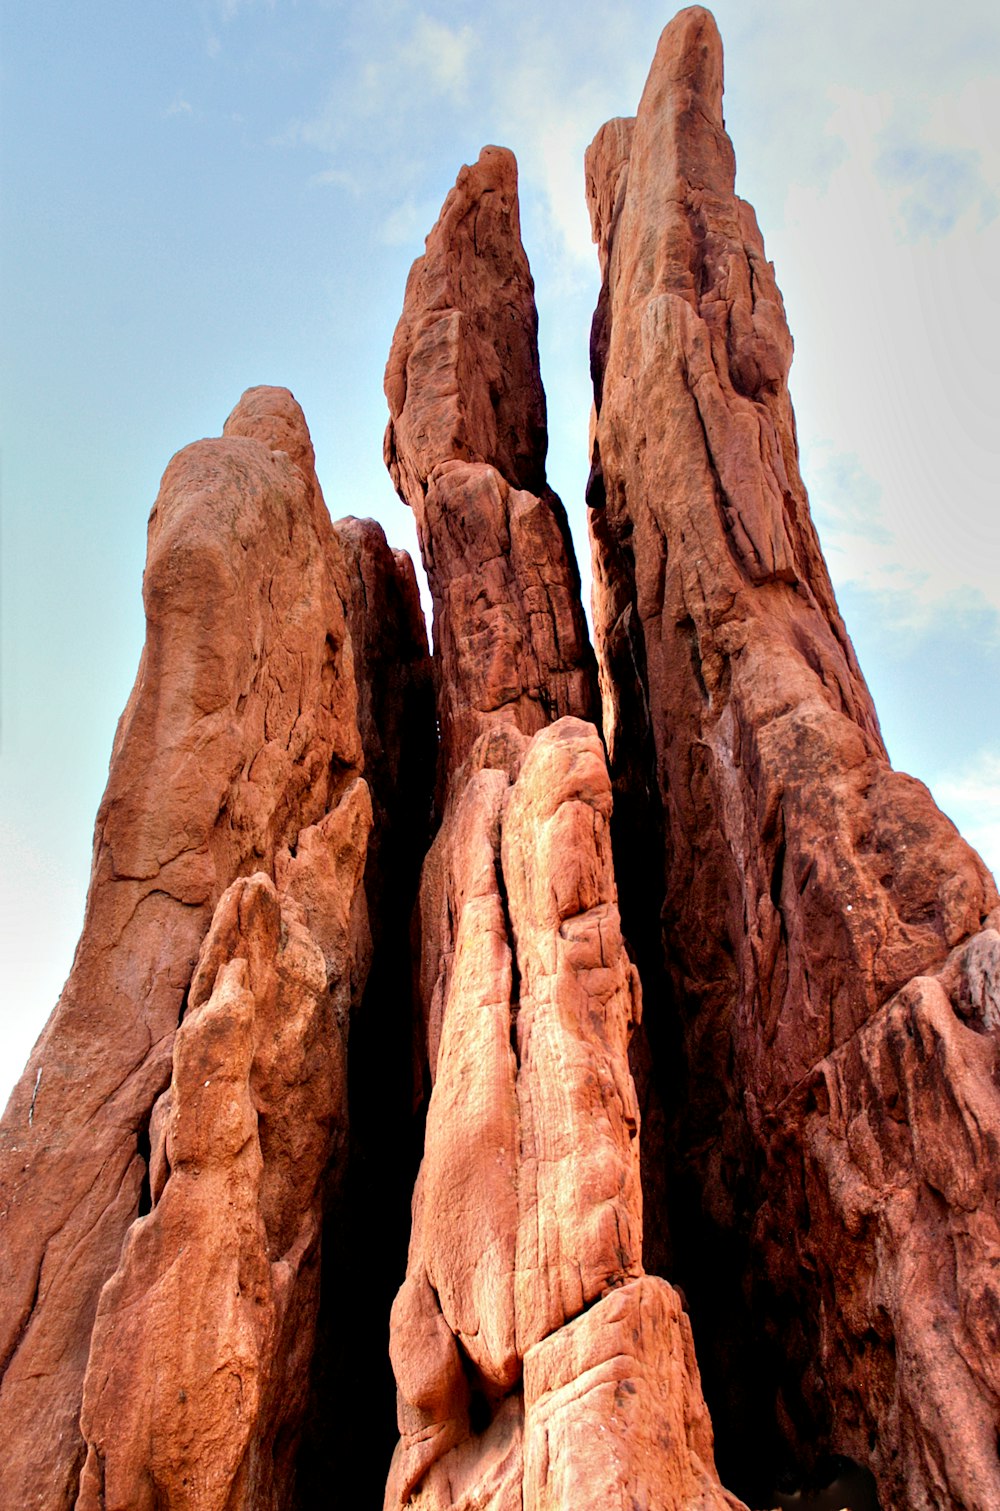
<point x="494" y="169"/>
<point x="274" y="416"/>
<point x="690" y="52"/>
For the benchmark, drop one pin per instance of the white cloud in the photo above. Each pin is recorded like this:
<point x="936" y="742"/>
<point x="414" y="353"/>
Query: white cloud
<point x="409" y="223"/>
<point x="441" y="55"/>
<point x="228" y="9"/>
<point x="179" y="106"/>
<point x="338" y="176"/>
<point x="970" y="795"/>
<point x="888" y="270"/>
<point x="429" y="63"/>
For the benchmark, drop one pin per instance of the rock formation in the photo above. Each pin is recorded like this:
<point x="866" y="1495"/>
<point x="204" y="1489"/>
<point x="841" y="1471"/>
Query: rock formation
<point x="186" y="1165"/>
<point x="536" y="1363"/>
<point x="818" y="913"/>
<point x="331" y="960"/>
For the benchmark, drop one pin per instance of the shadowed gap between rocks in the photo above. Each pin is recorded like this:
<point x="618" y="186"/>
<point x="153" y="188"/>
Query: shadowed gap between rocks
<point x="739" y="1361"/>
<point x="366" y="1230"/>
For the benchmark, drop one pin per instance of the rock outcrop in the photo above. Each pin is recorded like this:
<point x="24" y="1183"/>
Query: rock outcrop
<point x="182" y="1168"/>
<point x="423" y="1040"/>
<point x="396" y="720"/>
<point x="809" y="895"/>
<point x="465" y="447"/>
<point x="533" y="1356"/>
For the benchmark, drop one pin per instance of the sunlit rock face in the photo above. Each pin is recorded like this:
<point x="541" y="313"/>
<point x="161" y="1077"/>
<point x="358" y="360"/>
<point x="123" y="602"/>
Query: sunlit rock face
<point x="467" y="1055"/>
<point x="837" y="1111"/>
<point x="532" y="1355"/>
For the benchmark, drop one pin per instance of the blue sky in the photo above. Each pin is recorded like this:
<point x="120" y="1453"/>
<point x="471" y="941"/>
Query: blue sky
<point x="202" y="195"/>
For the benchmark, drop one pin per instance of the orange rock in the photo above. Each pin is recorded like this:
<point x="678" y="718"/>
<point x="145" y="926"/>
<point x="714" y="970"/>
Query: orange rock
<point x="238" y="752"/>
<point x="198" y="1372"/>
<point x="465" y="446"/>
<point x="614" y="1414"/>
<point x="805" y="881"/>
<point x="528" y="1208"/>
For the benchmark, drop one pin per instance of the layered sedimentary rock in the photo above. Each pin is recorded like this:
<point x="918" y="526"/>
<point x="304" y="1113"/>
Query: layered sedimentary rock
<point x="185" y="1168"/>
<point x="525" y="1325"/>
<point x="839" y="1106"/>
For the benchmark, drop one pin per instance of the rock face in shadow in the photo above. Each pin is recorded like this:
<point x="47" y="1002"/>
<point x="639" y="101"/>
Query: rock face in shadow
<point x="526" y="1248"/>
<point x="396" y="720"/>
<point x="810" y="895"/>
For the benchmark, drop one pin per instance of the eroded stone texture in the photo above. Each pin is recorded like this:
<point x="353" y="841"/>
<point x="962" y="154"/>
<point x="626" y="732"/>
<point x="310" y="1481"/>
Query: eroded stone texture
<point x="806" y="883"/>
<point x="528" y="1207"/>
<point x="236" y="753"/>
<point x="465" y="446"/>
<point x="396" y="719"/>
<point x="615" y="1417"/>
<point x="198" y="1374"/>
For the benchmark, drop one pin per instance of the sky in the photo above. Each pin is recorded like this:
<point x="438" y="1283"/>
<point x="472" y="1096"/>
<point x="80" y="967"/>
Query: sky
<point x="202" y="195"/>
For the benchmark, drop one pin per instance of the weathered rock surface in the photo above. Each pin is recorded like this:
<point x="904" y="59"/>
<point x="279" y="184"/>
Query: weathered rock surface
<point x="198" y="1373"/>
<point x="238" y="753"/>
<point x="809" y="892"/>
<point x="527" y="1209"/>
<point x="465" y="447"/>
<point x="525" y="1316"/>
<point x="331" y="959"/>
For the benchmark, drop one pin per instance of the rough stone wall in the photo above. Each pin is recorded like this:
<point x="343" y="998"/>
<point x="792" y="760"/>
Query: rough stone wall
<point x="183" y="1169"/>
<point x="716" y="969"/>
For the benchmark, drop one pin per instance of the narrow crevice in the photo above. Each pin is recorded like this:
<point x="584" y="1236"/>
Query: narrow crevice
<point x="368" y="1191"/>
<point x="680" y="1118"/>
<point x="144" y="1152"/>
<point x="515" y="972"/>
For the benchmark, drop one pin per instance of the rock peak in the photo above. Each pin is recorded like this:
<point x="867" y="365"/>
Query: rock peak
<point x="466" y="447"/>
<point x="469" y="316"/>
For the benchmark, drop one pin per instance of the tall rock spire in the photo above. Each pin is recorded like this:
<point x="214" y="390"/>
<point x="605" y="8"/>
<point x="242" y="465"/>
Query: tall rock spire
<point x="465" y="446"/>
<point x="165" y="1158"/>
<point x="525" y="1311"/>
<point x="810" y="896"/>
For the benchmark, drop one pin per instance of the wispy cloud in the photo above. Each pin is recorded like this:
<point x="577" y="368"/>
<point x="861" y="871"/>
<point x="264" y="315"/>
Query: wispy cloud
<point x="970" y="795"/>
<point x="442" y="56"/>
<point x="407" y="224"/>
<point x="228" y="9"/>
<point x="428" y="64"/>
<point x="342" y="178"/>
<point x="885" y="267"/>
<point x="179" y="106"/>
<point x="934" y="187"/>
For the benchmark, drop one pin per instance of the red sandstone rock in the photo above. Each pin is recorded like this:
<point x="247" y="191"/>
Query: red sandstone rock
<point x="465" y="446"/>
<point x="806" y="882"/>
<point x="396" y="720"/>
<point x="198" y="1370"/>
<point x="182" y="1128"/>
<point x="238" y="752"/>
<point x="614" y="1413"/>
<point x="527" y="1209"/>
